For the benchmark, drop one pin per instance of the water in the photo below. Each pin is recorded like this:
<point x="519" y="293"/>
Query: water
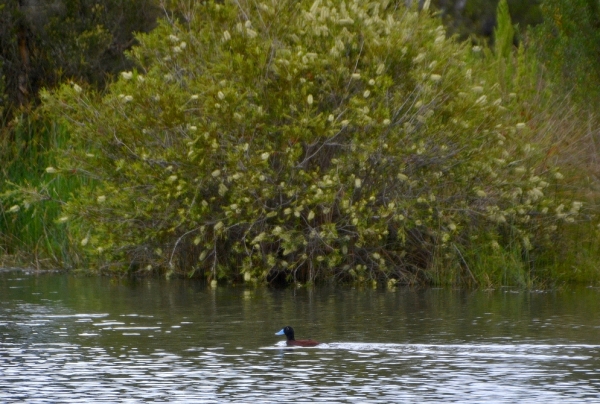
<point x="79" y="339"/>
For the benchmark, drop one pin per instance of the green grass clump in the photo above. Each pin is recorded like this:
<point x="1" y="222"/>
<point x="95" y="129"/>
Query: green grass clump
<point x="307" y="140"/>
<point x="32" y="199"/>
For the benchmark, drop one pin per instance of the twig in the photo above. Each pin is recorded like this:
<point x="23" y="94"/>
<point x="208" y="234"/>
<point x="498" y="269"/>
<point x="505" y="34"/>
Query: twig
<point x="465" y="262"/>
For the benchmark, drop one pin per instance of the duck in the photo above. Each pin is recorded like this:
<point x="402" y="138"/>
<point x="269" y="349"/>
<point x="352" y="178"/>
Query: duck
<point x="291" y="341"/>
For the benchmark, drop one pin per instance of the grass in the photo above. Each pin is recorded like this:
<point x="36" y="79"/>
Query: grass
<point x="32" y="236"/>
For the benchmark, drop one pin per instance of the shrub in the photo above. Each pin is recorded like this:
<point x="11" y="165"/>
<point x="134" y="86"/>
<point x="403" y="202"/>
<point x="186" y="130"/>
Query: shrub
<point x="302" y="140"/>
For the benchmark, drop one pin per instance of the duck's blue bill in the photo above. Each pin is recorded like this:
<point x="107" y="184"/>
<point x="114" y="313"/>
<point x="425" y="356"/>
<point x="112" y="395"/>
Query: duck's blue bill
<point x="280" y="332"/>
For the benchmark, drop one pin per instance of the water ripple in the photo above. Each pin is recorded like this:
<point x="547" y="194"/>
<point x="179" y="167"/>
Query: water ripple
<point x="54" y="352"/>
<point x="353" y="372"/>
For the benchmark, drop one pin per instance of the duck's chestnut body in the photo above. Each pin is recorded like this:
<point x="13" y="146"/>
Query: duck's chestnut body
<point x="291" y="341"/>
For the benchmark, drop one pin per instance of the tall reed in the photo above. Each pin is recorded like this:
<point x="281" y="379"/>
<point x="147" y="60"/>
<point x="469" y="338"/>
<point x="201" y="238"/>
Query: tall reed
<point x="31" y="199"/>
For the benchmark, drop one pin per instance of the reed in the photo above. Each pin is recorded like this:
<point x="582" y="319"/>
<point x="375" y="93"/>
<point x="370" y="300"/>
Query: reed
<point x="30" y="233"/>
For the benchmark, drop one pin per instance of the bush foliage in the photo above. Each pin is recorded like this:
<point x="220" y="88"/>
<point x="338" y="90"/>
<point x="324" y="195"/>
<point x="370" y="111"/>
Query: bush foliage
<point x="299" y="140"/>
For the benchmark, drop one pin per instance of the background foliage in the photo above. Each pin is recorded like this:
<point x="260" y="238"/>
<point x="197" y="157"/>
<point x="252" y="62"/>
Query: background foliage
<point x="354" y="141"/>
<point x="45" y="43"/>
<point x="569" y="44"/>
<point x="298" y="141"/>
<point x="478" y="17"/>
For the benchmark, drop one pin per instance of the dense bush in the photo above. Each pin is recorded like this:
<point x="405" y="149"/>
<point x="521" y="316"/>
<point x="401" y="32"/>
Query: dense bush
<point x="304" y="140"/>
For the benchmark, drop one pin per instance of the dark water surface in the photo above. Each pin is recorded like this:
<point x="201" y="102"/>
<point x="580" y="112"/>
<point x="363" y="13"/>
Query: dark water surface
<point x="76" y="339"/>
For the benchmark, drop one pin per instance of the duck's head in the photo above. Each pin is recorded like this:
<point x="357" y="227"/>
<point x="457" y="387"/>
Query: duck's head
<point x="287" y="331"/>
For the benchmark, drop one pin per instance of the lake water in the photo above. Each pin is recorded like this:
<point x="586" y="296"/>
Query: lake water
<point x="94" y="339"/>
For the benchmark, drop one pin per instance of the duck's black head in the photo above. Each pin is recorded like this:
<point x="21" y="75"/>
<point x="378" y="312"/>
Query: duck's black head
<point x="288" y="331"/>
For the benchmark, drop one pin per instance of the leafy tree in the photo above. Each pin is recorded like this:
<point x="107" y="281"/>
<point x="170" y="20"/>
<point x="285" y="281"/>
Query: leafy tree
<point x="307" y="139"/>
<point x="45" y="43"/>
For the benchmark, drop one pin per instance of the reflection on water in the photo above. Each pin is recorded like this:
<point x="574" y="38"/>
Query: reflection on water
<point x="65" y="338"/>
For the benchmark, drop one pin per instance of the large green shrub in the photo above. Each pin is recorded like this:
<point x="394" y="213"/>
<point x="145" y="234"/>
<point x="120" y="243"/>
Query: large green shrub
<point x="308" y="139"/>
